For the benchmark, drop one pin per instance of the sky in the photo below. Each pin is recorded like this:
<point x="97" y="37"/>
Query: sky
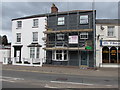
<point x="11" y="10"/>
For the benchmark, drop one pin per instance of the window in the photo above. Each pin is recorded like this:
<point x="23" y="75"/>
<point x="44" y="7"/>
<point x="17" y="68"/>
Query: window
<point x="37" y="52"/>
<point x="35" y="22"/>
<point x="18" y="37"/>
<point x="111" y="31"/>
<point x="60" y="36"/>
<point x="60" y="55"/>
<point x="83" y="19"/>
<point x="19" y="24"/>
<point x="84" y="35"/>
<point x="34" y="52"/>
<point x="35" y="36"/>
<point x="61" y="20"/>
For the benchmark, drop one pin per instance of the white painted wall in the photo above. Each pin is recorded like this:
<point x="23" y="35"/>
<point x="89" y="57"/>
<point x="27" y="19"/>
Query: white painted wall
<point x="4" y="53"/>
<point x="103" y="34"/>
<point x="26" y="34"/>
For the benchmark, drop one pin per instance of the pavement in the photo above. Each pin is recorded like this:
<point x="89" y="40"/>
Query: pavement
<point x="69" y="70"/>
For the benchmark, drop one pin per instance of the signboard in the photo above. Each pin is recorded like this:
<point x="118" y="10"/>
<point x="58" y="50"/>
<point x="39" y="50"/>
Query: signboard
<point x="88" y="47"/>
<point x="73" y="39"/>
<point x="110" y="43"/>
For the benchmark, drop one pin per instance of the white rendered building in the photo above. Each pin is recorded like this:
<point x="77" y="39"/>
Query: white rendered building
<point x="107" y="43"/>
<point x="27" y="37"/>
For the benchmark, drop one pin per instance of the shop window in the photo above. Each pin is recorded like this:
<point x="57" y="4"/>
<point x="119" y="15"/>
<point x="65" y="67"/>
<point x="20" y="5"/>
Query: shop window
<point x="105" y="55"/>
<point x="113" y="55"/>
<point x="119" y="55"/>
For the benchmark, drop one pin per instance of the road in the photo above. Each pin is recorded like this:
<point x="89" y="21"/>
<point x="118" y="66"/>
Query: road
<point x="22" y="79"/>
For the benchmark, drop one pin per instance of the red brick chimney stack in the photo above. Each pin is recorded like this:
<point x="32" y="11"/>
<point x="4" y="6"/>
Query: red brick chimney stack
<point x="54" y="9"/>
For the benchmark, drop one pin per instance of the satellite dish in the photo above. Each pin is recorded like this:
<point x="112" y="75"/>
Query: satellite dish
<point x="102" y="28"/>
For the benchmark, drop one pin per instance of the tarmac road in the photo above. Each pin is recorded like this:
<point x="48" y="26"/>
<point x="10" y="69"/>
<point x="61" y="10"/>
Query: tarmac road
<point x="30" y="79"/>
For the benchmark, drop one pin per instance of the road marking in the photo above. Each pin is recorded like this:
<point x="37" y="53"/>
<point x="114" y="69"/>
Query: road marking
<point x="9" y="79"/>
<point x="70" y="83"/>
<point x="47" y="86"/>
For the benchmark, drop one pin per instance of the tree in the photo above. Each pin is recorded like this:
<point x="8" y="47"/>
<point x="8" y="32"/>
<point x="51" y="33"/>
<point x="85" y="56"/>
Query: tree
<point x="0" y="40"/>
<point x="4" y="40"/>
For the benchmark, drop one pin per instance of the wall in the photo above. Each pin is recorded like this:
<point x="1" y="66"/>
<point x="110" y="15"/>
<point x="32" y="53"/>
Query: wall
<point x="4" y="53"/>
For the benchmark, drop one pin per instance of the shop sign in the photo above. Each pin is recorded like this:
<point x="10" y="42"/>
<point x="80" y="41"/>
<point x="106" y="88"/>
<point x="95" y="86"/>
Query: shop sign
<point x="73" y="39"/>
<point x="88" y="47"/>
<point x="110" y="43"/>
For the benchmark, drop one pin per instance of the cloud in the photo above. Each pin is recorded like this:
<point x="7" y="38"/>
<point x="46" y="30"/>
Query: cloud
<point x="12" y="10"/>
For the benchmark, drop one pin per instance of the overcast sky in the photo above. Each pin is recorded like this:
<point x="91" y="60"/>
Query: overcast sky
<point x="10" y="10"/>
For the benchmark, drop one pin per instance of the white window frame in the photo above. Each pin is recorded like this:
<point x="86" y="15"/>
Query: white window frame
<point x="35" y="22"/>
<point x="34" y="52"/>
<point x="18" y="37"/>
<point x="54" y="55"/>
<point x="19" y="24"/>
<point x="84" y="19"/>
<point x="61" y="21"/>
<point x="111" y="31"/>
<point x="60" y="36"/>
<point x="85" y="34"/>
<point x="35" y="36"/>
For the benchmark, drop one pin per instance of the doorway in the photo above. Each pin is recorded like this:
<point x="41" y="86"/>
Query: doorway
<point x="83" y="57"/>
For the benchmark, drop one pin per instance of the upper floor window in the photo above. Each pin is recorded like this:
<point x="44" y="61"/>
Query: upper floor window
<point x="35" y="36"/>
<point x="83" y="19"/>
<point x="61" y="20"/>
<point x="35" y="22"/>
<point x="60" y="36"/>
<point x="111" y="31"/>
<point x="18" y="37"/>
<point x="84" y="35"/>
<point x="19" y="24"/>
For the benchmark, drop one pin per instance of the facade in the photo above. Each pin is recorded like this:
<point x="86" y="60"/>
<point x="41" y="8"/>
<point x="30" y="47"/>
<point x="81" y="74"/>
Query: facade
<point x="107" y="42"/>
<point x="27" y="34"/>
<point x="5" y="51"/>
<point x="69" y="38"/>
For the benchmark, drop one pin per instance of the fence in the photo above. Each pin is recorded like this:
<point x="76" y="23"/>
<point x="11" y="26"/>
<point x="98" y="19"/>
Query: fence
<point x="23" y="61"/>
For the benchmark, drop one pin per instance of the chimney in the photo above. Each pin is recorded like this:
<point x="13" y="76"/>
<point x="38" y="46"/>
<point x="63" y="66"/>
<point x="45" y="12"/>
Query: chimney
<point x="54" y="9"/>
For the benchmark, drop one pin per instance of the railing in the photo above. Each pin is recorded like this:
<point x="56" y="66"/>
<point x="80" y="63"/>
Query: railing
<point x="23" y="61"/>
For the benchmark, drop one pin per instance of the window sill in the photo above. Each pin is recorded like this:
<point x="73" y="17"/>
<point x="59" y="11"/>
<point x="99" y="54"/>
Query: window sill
<point x="111" y="36"/>
<point x="18" y="42"/>
<point x="35" y="27"/>
<point x="18" y="28"/>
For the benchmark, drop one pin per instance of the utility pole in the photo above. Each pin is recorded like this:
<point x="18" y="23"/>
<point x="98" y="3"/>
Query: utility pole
<point x="94" y="32"/>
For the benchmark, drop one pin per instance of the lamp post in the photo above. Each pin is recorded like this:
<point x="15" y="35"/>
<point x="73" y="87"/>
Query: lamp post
<point x="94" y="32"/>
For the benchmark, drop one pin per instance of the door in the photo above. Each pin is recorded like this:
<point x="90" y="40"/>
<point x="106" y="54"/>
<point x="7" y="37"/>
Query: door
<point x="17" y="55"/>
<point x="83" y="57"/>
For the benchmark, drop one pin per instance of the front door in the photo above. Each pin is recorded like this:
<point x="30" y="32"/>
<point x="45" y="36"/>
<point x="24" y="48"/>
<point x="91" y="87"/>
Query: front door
<point x="83" y="57"/>
<point x="17" y="55"/>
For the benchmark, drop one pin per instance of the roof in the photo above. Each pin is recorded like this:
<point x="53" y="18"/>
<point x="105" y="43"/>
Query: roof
<point x="48" y="14"/>
<point x="107" y="21"/>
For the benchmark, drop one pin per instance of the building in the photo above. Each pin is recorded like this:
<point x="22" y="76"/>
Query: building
<point x="69" y="38"/>
<point x="27" y="34"/>
<point x="107" y="43"/>
<point x="5" y="52"/>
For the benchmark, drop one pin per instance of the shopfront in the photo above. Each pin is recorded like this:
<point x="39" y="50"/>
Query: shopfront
<point x="110" y="52"/>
